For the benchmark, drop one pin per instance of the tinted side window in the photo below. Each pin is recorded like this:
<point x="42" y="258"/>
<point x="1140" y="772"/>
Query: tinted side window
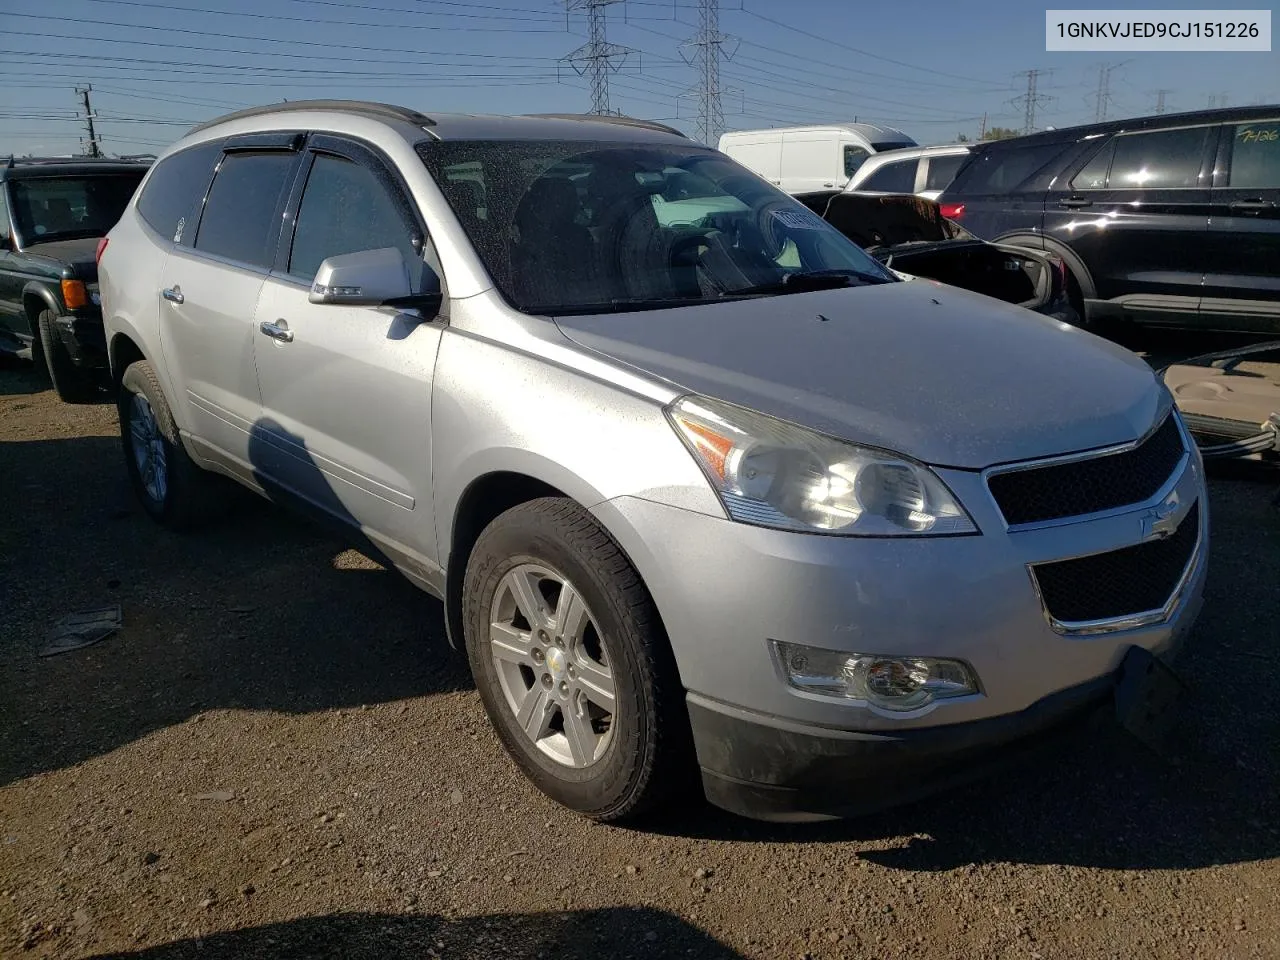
<point x="345" y="209"/>
<point x="897" y="177"/>
<point x="1152" y="161"/>
<point x="1003" y="169"/>
<point x="239" y="217"/>
<point x="4" y="217"/>
<point x="1094" y="174"/>
<point x="854" y="157"/>
<point x="176" y="185"/>
<point x="942" y="170"/>
<point x="1255" y="156"/>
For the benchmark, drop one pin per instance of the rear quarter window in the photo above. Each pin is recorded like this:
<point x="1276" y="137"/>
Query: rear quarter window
<point x="1003" y="169"/>
<point x="175" y="187"/>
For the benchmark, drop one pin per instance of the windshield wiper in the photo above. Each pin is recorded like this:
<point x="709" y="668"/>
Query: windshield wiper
<point x="807" y="280"/>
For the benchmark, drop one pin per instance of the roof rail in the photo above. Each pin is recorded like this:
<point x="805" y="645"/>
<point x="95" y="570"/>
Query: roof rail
<point x="37" y="161"/>
<point x="612" y="118"/>
<point x="381" y="111"/>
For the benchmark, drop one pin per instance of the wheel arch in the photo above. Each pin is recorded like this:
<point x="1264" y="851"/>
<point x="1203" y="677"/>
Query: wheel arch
<point x="1075" y="265"/>
<point x="123" y="348"/>
<point x="36" y="298"/>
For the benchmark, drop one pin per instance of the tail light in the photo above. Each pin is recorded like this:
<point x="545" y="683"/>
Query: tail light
<point x="102" y="248"/>
<point x="951" y="211"/>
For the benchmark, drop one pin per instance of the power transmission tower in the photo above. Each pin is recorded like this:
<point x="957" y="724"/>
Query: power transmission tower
<point x="597" y="56"/>
<point x="1103" y="97"/>
<point x="83" y="92"/>
<point x="1031" y="99"/>
<point x="704" y="52"/>
<point x="1217" y="100"/>
<point x="1160" y="95"/>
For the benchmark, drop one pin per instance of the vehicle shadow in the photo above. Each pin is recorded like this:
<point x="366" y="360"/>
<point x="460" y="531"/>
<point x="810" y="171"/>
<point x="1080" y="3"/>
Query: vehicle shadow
<point x="21" y="376"/>
<point x="602" y="934"/>
<point x="255" y="611"/>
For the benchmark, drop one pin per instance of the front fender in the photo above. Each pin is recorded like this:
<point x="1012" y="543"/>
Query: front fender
<point x="37" y="289"/>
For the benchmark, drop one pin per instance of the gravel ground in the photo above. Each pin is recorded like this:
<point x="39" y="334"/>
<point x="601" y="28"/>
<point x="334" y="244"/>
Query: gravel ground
<point x="279" y="756"/>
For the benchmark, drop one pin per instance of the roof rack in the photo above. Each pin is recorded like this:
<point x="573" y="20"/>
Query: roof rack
<point x="611" y="118"/>
<point x="381" y="111"/>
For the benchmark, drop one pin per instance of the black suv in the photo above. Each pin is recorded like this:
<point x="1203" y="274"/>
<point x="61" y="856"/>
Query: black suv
<point x="1171" y="219"/>
<point x="52" y="214"/>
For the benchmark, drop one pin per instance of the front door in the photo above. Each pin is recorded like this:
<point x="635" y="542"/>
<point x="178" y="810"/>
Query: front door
<point x="1136" y="213"/>
<point x="209" y="296"/>
<point x="1242" y="252"/>
<point x="346" y="390"/>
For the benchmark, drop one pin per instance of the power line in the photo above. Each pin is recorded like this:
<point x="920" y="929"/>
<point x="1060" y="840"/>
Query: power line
<point x="1103" y="98"/>
<point x="83" y="93"/>
<point x="1031" y="99"/>
<point x="596" y="57"/>
<point x="708" y="47"/>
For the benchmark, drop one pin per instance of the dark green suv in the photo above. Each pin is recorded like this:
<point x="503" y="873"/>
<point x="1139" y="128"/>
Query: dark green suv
<point x="52" y="215"/>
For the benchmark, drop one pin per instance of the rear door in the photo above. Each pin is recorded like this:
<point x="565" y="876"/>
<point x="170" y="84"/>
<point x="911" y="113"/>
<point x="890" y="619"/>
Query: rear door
<point x="1001" y="189"/>
<point x="1242" y="247"/>
<point x="810" y="161"/>
<point x="346" y="390"/>
<point x="762" y="156"/>
<point x="209" y="293"/>
<point x="1136" y="213"/>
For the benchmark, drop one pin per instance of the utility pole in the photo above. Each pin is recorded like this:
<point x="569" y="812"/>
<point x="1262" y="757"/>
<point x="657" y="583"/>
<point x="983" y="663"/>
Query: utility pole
<point x="982" y="132"/>
<point x="704" y="52"/>
<point x="597" y="56"/>
<point x="1160" y="95"/>
<point x="83" y="92"/>
<point x="1031" y="99"/>
<point x="1103" y="97"/>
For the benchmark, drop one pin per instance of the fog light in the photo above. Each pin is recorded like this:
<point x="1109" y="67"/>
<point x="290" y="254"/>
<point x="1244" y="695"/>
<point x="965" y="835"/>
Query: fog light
<point x="892" y="683"/>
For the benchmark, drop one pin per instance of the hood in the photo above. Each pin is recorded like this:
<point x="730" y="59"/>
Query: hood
<point x="80" y="253"/>
<point x="948" y="377"/>
<point x="879" y="220"/>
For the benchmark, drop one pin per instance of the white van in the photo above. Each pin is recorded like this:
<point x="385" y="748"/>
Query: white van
<point x="803" y="159"/>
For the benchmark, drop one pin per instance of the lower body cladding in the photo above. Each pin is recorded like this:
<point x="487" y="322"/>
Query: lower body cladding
<point x="734" y="598"/>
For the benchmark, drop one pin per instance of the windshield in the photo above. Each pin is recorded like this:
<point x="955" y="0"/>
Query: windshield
<point x="63" y="208"/>
<point x="579" y="227"/>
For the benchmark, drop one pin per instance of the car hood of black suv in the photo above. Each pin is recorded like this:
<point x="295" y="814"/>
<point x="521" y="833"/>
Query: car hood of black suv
<point x="79" y="254"/>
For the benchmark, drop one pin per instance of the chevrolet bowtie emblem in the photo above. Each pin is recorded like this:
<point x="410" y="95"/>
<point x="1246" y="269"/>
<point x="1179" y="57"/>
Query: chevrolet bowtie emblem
<point x="1161" y="521"/>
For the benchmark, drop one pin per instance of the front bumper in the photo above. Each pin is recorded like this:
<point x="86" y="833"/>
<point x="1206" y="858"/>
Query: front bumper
<point x="82" y="333"/>
<point x="725" y="590"/>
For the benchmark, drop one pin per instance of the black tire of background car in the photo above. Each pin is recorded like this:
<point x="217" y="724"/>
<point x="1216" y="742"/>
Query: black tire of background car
<point x="72" y="384"/>
<point x="649" y="761"/>
<point x="190" y="495"/>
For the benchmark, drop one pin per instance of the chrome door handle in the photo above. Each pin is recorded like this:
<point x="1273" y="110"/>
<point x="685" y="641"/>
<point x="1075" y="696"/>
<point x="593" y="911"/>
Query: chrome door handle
<point x="277" y="331"/>
<point x="173" y="294"/>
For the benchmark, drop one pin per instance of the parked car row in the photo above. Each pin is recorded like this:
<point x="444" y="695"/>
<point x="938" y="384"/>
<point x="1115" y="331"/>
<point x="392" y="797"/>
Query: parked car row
<point x="702" y="485"/>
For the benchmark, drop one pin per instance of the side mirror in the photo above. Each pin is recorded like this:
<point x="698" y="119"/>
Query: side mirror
<point x="366" y="278"/>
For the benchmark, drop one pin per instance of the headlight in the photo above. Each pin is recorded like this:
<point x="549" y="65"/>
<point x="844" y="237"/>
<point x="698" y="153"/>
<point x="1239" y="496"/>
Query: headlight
<point x="775" y="474"/>
<point x="898" y="684"/>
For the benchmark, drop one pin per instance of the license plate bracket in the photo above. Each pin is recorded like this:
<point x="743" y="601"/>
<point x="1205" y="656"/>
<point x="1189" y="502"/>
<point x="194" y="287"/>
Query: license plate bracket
<point x="1146" y="695"/>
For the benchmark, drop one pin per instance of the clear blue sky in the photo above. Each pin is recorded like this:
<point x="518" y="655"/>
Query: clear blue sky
<point x="932" y="69"/>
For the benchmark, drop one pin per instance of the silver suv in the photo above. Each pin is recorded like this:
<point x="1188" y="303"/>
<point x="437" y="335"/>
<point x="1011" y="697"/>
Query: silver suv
<point x="700" y="484"/>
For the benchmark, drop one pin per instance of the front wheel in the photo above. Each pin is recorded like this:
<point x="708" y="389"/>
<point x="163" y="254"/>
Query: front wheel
<point x="571" y="662"/>
<point x="72" y="384"/>
<point x="171" y="488"/>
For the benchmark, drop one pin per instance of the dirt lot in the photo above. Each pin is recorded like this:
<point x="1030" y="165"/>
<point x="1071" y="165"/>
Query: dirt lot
<point x="280" y="757"/>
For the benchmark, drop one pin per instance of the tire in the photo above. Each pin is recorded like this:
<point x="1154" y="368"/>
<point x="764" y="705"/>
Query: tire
<point x="626" y="763"/>
<point x="171" y="488"/>
<point x="72" y="384"/>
